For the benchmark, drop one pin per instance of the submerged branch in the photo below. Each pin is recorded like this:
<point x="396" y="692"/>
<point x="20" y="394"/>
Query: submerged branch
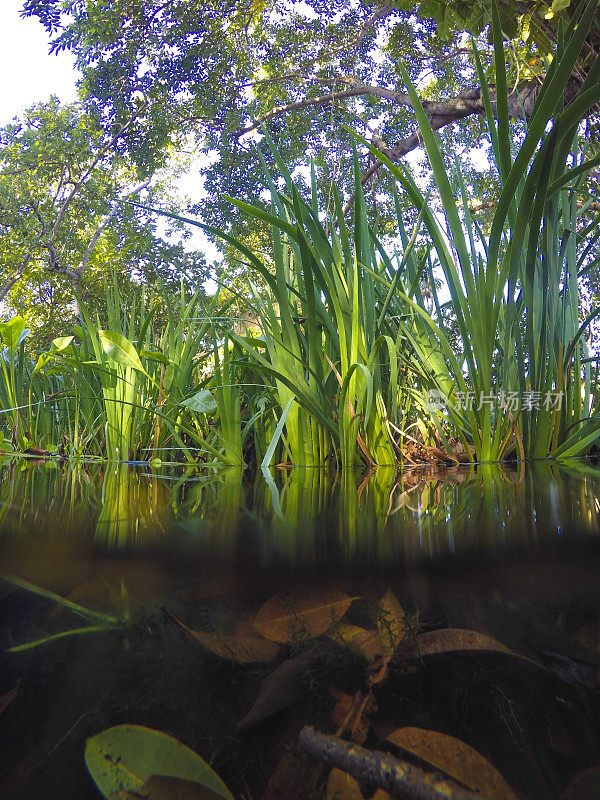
<point x="403" y="779"/>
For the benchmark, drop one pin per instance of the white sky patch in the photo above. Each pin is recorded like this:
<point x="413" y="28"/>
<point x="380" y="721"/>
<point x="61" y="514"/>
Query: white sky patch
<point x="189" y="188"/>
<point x="479" y="158"/>
<point x="31" y="75"/>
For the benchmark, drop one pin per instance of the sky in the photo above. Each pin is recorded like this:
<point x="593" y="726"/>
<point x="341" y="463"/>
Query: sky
<point x="30" y="74"/>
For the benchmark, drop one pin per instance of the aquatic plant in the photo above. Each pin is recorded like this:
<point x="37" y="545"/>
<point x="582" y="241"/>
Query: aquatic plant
<point x="514" y="293"/>
<point x="329" y="352"/>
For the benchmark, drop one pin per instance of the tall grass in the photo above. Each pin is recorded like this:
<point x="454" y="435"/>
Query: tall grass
<point x="126" y="390"/>
<point x="514" y="293"/>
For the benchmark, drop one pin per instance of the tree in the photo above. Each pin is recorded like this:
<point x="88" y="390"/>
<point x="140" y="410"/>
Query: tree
<point x="64" y="221"/>
<point x="222" y="69"/>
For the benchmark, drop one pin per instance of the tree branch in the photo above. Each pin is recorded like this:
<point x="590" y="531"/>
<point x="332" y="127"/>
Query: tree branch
<point x="358" y="90"/>
<point x="401" y="778"/>
<point x="79" y="183"/>
<point x="94" y="240"/>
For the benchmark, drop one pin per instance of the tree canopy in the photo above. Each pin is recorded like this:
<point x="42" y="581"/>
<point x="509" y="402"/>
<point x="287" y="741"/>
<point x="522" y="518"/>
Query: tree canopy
<point x="219" y="70"/>
<point x="63" y="221"/>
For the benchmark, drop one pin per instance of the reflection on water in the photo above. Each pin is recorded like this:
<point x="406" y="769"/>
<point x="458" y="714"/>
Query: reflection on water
<point x="301" y="514"/>
<point x="58" y="524"/>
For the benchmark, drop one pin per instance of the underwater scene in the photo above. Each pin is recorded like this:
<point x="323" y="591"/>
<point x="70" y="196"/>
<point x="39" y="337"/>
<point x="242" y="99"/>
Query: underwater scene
<point x="299" y="634"/>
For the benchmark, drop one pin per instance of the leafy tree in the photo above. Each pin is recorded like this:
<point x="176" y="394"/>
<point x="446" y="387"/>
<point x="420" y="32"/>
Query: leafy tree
<point x="221" y="69"/>
<point x="63" y="222"/>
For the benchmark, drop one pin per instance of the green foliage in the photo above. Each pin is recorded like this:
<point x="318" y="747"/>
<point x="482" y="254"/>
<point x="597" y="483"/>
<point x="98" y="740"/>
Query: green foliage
<point x="127" y="757"/>
<point x="216" y="69"/>
<point x="62" y="226"/>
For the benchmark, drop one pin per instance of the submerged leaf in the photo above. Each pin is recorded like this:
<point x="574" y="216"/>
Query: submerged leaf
<point x="284" y="619"/>
<point x="584" y="786"/>
<point x="449" y="640"/>
<point x="361" y="641"/>
<point x="165" y="787"/>
<point x="122" y="758"/>
<point x="281" y="689"/>
<point x="292" y="778"/>
<point x="352" y="714"/>
<point x="7" y="699"/>
<point x="455" y="758"/>
<point x="342" y="786"/>
<point x="243" y="645"/>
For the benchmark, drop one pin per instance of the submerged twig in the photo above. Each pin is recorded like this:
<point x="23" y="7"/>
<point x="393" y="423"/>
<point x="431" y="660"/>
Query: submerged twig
<point x="403" y="779"/>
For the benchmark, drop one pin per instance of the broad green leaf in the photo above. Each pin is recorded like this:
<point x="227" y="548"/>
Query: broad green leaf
<point x="124" y="757"/>
<point x="43" y="359"/>
<point x="14" y="332"/>
<point x="202" y="402"/>
<point x="154" y="356"/>
<point x="120" y="350"/>
<point x="61" y="343"/>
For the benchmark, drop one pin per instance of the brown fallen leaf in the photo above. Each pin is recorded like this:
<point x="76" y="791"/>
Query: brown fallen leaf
<point x="348" y="714"/>
<point x="381" y="794"/>
<point x="292" y="778"/>
<point x="358" y="640"/>
<point x="285" y="619"/>
<point x="165" y="787"/>
<point x="588" y="636"/>
<point x="448" y="640"/>
<point x="341" y="786"/>
<point x="391" y="622"/>
<point x="281" y="689"/>
<point x="585" y="786"/>
<point x="244" y="645"/>
<point x="455" y="758"/>
<point x="378" y="669"/>
<point x="37" y="451"/>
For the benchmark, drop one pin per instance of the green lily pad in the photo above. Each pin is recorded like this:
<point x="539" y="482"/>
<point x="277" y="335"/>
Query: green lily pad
<point x="122" y="758"/>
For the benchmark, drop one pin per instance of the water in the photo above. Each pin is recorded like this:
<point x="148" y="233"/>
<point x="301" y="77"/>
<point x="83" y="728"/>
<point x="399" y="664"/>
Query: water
<point x="511" y="554"/>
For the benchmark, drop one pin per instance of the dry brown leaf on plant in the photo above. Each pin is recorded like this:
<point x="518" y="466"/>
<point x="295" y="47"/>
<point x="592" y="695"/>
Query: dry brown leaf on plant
<point x="287" y="618"/>
<point x="351" y="713"/>
<point x="243" y="645"/>
<point x="455" y="758"/>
